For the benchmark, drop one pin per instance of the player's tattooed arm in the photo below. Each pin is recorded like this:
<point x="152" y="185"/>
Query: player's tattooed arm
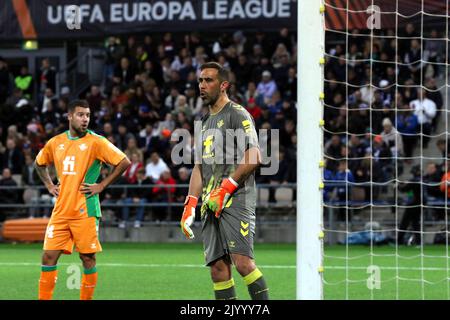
<point x="42" y="171"/>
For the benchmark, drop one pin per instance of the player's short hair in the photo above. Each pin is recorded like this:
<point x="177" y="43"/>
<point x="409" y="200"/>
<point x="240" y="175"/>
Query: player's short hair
<point x="77" y="103"/>
<point x="221" y="71"/>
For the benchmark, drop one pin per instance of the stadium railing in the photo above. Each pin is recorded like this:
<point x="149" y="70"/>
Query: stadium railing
<point x="271" y="204"/>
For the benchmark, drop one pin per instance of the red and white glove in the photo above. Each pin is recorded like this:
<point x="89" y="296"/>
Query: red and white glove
<point x="219" y="197"/>
<point x="188" y="216"/>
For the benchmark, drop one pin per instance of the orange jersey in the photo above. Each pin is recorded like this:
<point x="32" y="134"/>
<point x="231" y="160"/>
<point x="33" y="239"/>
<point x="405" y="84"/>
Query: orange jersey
<point x="78" y="160"/>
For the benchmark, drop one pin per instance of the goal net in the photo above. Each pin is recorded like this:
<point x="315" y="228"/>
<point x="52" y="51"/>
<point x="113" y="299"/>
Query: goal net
<point x="385" y="149"/>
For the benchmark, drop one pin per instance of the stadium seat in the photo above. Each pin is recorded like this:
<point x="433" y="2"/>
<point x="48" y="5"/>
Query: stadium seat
<point x="284" y="197"/>
<point x="263" y="197"/>
<point x="24" y="230"/>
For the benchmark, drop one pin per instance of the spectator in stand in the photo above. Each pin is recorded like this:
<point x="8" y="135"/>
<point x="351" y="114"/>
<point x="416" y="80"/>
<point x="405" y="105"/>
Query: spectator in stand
<point x="24" y="82"/>
<point x="46" y="77"/>
<point x="267" y="87"/>
<point x="94" y="98"/>
<point x="183" y="178"/>
<point x="407" y="126"/>
<point x="333" y="151"/>
<point x="392" y="138"/>
<point x="115" y="195"/>
<point x="164" y="192"/>
<point x="141" y="195"/>
<point x="155" y="167"/>
<point x="48" y="99"/>
<point x="425" y="110"/>
<point x="132" y="147"/>
<point x="435" y="95"/>
<point x="5" y="81"/>
<point x="124" y="73"/>
<point x="253" y="109"/>
<point x="7" y="194"/>
<point x="131" y="173"/>
<point x="13" y="158"/>
<point x="122" y="137"/>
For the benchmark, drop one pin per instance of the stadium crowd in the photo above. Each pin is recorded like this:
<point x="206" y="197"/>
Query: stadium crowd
<point x="379" y="97"/>
<point x="149" y="89"/>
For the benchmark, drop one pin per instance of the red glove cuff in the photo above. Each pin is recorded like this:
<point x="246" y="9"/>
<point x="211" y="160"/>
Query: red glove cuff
<point x="229" y="185"/>
<point x="191" y="201"/>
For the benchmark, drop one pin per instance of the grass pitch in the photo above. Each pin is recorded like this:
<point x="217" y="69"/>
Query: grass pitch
<point x="141" y="271"/>
<point x="176" y="272"/>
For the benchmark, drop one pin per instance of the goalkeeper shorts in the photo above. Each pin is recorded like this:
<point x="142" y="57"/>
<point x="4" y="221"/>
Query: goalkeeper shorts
<point x="231" y="233"/>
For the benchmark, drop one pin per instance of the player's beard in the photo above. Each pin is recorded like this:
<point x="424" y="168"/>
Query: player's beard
<point x="79" y="131"/>
<point x="210" y="101"/>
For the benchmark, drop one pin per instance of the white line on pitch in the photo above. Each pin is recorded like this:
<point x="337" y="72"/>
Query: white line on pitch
<point x="154" y="265"/>
<point x="140" y="265"/>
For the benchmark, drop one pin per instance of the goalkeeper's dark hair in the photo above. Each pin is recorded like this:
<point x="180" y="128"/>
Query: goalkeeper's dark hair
<point x="223" y="74"/>
<point x="77" y="103"/>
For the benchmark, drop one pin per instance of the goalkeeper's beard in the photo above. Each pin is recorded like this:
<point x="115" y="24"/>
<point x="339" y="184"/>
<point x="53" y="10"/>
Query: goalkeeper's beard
<point x="210" y="101"/>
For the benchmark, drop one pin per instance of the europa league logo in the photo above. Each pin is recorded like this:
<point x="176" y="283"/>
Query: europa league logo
<point x="73" y="17"/>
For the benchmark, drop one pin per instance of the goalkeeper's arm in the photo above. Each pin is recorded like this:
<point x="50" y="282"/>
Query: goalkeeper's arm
<point x="195" y="184"/>
<point x="195" y="189"/>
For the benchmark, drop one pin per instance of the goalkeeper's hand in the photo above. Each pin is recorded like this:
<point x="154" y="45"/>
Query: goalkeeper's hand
<point x="188" y="216"/>
<point x="219" y="197"/>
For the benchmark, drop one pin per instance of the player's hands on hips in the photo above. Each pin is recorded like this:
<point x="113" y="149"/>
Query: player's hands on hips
<point x="91" y="189"/>
<point x="53" y="189"/>
<point x="188" y="216"/>
<point x="219" y="197"/>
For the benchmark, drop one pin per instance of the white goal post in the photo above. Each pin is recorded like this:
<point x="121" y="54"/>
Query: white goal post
<point x="311" y="34"/>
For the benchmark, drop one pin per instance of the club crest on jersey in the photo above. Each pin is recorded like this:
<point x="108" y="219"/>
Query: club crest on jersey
<point x="83" y="147"/>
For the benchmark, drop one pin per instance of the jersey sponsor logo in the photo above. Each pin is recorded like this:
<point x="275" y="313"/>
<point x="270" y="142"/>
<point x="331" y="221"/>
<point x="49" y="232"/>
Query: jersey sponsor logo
<point x="69" y="166"/>
<point x="61" y="146"/>
<point x="93" y="246"/>
<point x="208" y="144"/>
<point x="83" y="147"/>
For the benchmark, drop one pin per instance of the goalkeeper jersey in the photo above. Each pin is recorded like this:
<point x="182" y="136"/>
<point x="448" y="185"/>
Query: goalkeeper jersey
<point x="77" y="160"/>
<point x="225" y="136"/>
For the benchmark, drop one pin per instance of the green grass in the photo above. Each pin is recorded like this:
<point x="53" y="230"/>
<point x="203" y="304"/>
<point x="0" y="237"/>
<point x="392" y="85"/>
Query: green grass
<point x="142" y="271"/>
<point x="401" y="272"/>
<point x="176" y="272"/>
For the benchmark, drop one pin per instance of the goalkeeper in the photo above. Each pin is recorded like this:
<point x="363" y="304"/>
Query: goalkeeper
<point x="229" y="192"/>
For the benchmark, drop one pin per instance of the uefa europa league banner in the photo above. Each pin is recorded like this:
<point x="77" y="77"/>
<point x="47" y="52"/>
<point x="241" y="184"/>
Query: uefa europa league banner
<point x="63" y="19"/>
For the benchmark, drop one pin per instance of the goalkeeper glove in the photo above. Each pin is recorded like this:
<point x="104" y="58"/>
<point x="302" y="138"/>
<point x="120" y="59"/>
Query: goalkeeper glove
<point x="188" y="216"/>
<point x="220" y="196"/>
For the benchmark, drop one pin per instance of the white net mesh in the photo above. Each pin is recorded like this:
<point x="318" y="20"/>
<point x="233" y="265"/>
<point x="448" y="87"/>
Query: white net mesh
<point x="386" y="150"/>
